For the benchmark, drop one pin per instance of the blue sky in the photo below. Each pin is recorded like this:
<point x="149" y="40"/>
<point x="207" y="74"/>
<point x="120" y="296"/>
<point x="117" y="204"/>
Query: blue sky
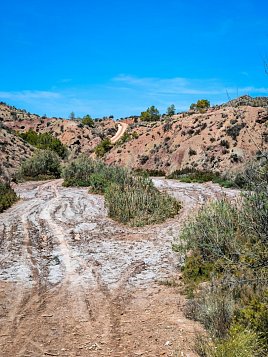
<point x="119" y="57"/>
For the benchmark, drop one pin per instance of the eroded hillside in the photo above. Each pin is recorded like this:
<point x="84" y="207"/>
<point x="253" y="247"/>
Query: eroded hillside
<point x="77" y="137"/>
<point x="220" y="139"/>
<point x="223" y="138"/>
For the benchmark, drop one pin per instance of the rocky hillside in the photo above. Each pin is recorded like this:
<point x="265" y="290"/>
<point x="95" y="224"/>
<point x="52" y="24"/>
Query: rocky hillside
<point x="72" y="133"/>
<point x="13" y="150"/>
<point x="221" y="139"/>
<point x="247" y="100"/>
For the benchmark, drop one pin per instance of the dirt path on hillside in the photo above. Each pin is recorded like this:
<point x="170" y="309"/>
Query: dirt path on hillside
<point x="75" y="283"/>
<point x="122" y="127"/>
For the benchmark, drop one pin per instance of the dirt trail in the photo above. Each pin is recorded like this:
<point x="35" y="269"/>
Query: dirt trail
<point x="122" y="127"/>
<point x="75" y="283"/>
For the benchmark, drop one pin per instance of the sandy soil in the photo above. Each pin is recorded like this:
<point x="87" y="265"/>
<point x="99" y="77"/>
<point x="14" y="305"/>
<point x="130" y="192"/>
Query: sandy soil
<point x="75" y="283"/>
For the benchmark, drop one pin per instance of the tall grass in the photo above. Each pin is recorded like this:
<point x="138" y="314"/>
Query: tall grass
<point x="140" y="203"/>
<point x="129" y="198"/>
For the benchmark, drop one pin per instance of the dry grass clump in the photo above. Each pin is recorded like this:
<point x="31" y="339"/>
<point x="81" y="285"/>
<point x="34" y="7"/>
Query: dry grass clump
<point x="139" y="203"/>
<point x="129" y="198"/>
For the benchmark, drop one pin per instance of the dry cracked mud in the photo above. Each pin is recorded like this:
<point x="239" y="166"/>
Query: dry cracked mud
<point x="75" y="283"/>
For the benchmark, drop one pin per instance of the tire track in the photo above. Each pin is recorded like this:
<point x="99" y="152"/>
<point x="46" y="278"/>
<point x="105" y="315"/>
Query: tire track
<point x="73" y="282"/>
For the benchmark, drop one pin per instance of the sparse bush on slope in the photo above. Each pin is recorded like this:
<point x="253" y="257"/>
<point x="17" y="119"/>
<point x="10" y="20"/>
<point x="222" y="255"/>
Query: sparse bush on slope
<point x="45" y="141"/>
<point x="44" y="164"/>
<point x="103" y="147"/>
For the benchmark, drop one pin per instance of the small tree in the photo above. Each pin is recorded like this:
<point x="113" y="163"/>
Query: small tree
<point x="171" y="110"/>
<point x="200" y="104"/>
<point x="151" y="114"/>
<point x="72" y="116"/>
<point x="203" y="104"/>
<point x="87" y="120"/>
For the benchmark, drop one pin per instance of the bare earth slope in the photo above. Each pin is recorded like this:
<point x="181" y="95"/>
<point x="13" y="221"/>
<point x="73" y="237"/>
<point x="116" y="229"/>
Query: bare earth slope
<point x="221" y="139"/>
<point x="75" y="283"/>
<point x="13" y="150"/>
<point x="77" y="137"/>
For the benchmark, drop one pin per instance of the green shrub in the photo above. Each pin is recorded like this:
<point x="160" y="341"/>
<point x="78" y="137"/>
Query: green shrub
<point x="102" y="148"/>
<point x="139" y="203"/>
<point x="194" y="176"/>
<point x="99" y="182"/>
<point x="130" y="199"/>
<point x="148" y="172"/>
<point x="215" y="310"/>
<point x="254" y="315"/>
<point x="88" y="121"/>
<point x="196" y="269"/>
<point x="44" y="164"/>
<point x="84" y="171"/>
<point x="78" y="172"/>
<point x="45" y="141"/>
<point x="239" y="343"/>
<point x="228" y="244"/>
<point x="7" y="196"/>
<point x="213" y="233"/>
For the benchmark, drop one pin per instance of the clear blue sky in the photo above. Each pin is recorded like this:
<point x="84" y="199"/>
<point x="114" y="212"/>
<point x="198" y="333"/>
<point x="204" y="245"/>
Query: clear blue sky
<point x="119" y="57"/>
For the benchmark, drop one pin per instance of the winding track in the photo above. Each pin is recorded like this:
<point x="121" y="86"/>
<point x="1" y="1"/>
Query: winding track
<point x="75" y="283"/>
<point x="122" y="127"/>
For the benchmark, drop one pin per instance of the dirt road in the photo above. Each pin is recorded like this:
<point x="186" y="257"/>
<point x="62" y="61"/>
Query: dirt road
<point x="75" y="283"/>
<point x="122" y="127"/>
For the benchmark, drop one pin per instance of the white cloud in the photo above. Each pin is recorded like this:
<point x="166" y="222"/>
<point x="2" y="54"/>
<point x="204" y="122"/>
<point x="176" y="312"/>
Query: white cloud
<point x="126" y="95"/>
<point x="29" y="94"/>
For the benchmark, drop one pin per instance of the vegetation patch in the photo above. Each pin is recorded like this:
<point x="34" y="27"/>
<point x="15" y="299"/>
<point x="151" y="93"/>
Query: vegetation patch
<point x="130" y="198"/>
<point x="7" y="196"/>
<point x="44" y="164"/>
<point x="148" y="172"/>
<point x="195" y="176"/>
<point x="103" y="147"/>
<point x="127" y="137"/>
<point x="45" y="141"/>
<point x="137" y="202"/>
<point x="224" y="247"/>
<point x="234" y="130"/>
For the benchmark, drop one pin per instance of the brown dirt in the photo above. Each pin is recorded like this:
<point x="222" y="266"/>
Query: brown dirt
<point x="222" y="139"/>
<point x="75" y="283"/>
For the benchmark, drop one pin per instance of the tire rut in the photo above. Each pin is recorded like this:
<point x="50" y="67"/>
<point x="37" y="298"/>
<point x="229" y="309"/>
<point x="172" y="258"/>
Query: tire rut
<point x="73" y="282"/>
